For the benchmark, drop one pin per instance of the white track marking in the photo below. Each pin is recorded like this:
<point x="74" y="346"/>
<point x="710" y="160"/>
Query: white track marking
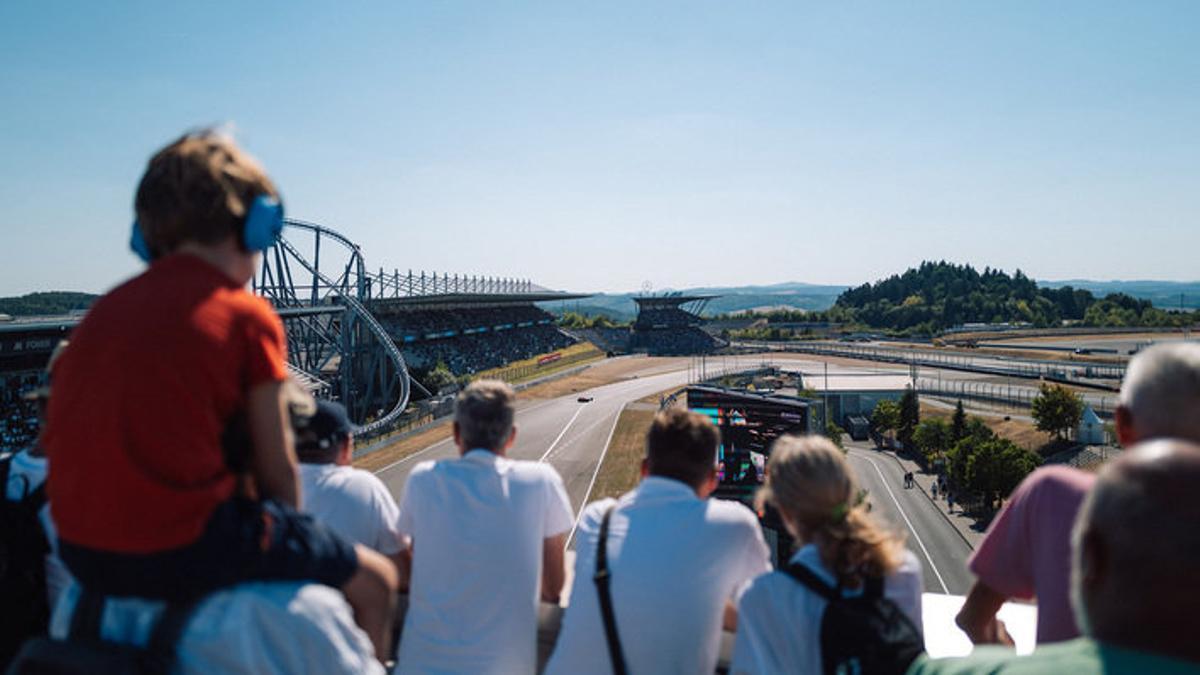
<point x="909" y="523"/>
<point x="561" y="434"/>
<point x="447" y="440"/>
<point x="595" y="473"/>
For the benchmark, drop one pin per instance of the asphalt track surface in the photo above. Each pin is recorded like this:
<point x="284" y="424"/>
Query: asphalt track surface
<point x="573" y="437"/>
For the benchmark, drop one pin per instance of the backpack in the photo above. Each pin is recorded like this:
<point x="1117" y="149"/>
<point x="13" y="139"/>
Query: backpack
<point x="864" y="634"/>
<point x="85" y="652"/>
<point x="23" y="547"/>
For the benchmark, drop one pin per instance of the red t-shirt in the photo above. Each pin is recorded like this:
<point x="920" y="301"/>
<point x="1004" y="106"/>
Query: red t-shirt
<point x="141" y="397"/>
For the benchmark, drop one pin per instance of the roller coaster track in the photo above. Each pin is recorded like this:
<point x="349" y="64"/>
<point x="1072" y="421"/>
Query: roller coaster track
<point x="334" y="328"/>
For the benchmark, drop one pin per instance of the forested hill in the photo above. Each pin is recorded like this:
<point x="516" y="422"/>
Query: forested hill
<point x="46" y="304"/>
<point x="939" y="295"/>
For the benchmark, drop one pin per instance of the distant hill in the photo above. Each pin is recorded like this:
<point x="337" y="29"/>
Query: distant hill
<point x="1164" y="294"/>
<point x="794" y="295"/>
<point x="47" y="303"/>
<point x="940" y="295"/>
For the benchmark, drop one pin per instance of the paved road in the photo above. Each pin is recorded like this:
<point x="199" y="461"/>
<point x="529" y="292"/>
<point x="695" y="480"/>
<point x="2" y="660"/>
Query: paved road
<point x="942" y="551"/>
<point x="570" y="435"/>
<point x="573" y="436"/>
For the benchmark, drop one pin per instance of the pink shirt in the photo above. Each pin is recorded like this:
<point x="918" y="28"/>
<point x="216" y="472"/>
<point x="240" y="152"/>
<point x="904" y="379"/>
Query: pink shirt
<point x="1027" y="550"/>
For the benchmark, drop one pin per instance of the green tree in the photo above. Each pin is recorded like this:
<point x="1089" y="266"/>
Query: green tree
<point x="438" y="377"/>
<point x="958" y="424"/>
<point x="1056" y="410"/>
<point x="910" y="415"/>
<point x="932" y="438"/>
<point x="885" y="417"/>
<point x="995" y="467"/>
<point x="835" y="433"/>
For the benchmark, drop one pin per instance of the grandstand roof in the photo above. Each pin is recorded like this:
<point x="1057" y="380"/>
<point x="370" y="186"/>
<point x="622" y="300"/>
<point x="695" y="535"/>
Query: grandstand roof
<point x="40" y="323"/>
<point x="444" y="299"/>
<point x="671" y="299"/>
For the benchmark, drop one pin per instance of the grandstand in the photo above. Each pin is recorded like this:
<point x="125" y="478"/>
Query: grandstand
<point x="25" y="347"/>
<point x="353" y="335"/>
<point x="671" y="325"/>
<point x="470" y="332"/>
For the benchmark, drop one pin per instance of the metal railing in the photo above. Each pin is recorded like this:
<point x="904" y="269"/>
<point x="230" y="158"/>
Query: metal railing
<point x="412" y="284"/>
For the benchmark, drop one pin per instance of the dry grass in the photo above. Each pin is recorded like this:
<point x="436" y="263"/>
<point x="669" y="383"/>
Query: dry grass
<point x="596" y="375"/>
<point x="404" y="447"/>
<point x="1021" y="432"/>
<point x="622" y="465"/>
<point x="600" y="374"/>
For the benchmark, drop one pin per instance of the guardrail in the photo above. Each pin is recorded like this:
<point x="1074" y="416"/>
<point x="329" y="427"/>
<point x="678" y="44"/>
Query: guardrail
<point x="514" y="373"/>
<point x="1005" y="394"/>
<point x="1072" y="372"/>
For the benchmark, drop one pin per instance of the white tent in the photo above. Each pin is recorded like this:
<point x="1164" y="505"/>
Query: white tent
<point x="1091" y="428"/>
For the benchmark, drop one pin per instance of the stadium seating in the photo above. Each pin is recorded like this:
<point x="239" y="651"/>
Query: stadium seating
<point x="474" y="339"/>
<point x="18" y="417"/>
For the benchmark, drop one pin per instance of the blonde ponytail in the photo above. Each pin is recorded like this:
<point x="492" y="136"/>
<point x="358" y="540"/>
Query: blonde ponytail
<point x="810" y="482"/>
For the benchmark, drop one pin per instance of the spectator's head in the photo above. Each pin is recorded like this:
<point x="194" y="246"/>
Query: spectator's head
<point x="1161" y="394"/>
<point x="325" y="437"/>
<point x="812" y="487"/>
<point x="483" y="417"/>
<point x="198" y="190"/>
<point x="682" y="445"/>
<point x="1135" y="544"/>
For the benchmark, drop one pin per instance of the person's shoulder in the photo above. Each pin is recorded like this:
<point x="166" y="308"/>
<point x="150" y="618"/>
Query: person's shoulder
<point x="535" y="471"/>
<point x="910" y="564"/>
<point x="247" y="305"/>
<point x="363" y="478"/>
<point x="1058" y="476"/>
<point x="726" y="512"/>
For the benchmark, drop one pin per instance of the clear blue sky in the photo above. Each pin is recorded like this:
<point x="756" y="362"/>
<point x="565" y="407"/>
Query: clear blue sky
<point x="594" y="146"/>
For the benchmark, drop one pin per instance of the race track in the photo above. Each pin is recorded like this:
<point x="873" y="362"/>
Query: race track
<point x="573" y="436"/>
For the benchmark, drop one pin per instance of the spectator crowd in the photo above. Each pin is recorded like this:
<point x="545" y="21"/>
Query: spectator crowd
<point x="227" y="532"/>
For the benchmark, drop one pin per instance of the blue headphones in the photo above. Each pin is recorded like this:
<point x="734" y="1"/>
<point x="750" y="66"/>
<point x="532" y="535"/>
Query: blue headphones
<point x="261" y="229"/>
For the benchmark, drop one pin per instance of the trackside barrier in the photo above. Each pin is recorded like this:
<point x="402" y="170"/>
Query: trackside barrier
<point x="673" y="398"/>
<point x="1071" y="372"/>
<point x="514" y="373"/>
<point x="1004" y="394"/>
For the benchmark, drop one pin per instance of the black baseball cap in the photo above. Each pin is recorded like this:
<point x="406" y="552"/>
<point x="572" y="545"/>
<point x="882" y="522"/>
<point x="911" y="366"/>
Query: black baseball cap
<point x="328" y="425"/>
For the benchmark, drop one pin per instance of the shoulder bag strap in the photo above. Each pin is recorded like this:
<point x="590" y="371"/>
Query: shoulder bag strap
<point x="801" y="573"/>
<point x="85" y="620"/>
<point x="602" y="579"/>
<point x="164" y="640"/>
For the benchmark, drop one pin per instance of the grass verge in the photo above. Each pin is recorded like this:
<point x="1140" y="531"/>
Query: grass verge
<point x="622" y="467"/>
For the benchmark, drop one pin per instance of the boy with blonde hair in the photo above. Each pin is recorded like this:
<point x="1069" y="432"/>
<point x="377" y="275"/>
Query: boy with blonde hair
<point x="158" y="370"/>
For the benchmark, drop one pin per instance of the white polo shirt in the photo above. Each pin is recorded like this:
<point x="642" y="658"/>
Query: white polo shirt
<point x="675" y="560"/>
<point x="478" y="523"/>
<point x="259" y="628"/>
<point x="25" y="474"/>
<point x="354" y="503"/>
<point x="779" y="620"/>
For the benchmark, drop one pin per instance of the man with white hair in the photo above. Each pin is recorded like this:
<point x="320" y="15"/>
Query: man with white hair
<point x="1133" y="584"/>
<point x="487" y="538"/>
<point x="1026" y="552"/>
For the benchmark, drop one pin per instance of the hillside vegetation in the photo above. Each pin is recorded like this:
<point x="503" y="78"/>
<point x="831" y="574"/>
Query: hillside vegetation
<point x="940" y="295"/>
<point x="46" y="303"/>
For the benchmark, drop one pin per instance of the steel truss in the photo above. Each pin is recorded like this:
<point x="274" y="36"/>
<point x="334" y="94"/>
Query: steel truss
<point x="319" y="285"/>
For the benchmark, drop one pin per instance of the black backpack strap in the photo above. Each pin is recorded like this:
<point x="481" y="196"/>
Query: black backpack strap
<point x="801" y="573"/>
<point x="161" y="650"/>
<point x="873" y="587"/>
<point x="85" y="620"/>
<point x="5" y="464"/>
<point x="602" y="579"/>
